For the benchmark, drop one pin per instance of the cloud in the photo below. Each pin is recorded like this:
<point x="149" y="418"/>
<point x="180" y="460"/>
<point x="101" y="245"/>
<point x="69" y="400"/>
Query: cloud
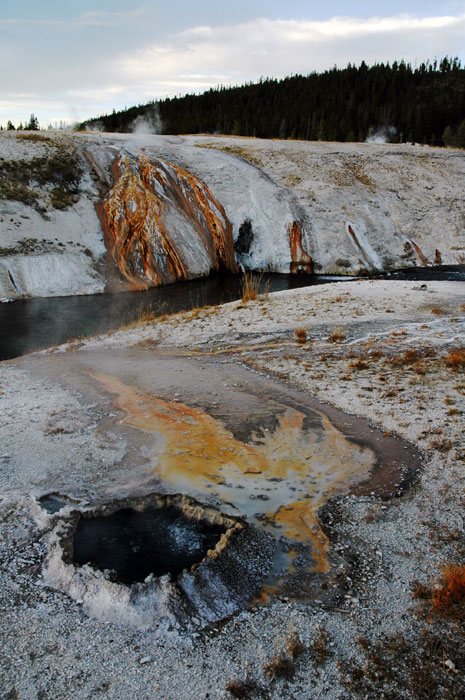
<point x="97" y="18"/>
<point x="265" y="47"/>
<point x="97" y="61"/>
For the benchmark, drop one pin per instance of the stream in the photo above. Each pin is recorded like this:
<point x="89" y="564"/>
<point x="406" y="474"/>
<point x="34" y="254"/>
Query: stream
<point x="33" y="324"/>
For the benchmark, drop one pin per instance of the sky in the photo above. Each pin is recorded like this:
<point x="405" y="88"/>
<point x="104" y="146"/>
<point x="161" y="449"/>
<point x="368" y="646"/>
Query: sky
<point x="67" y="61"/>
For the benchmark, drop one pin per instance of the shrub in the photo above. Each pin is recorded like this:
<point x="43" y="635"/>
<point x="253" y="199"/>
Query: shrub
<point x="455" y="359"/>
<point x="449" y="597"/>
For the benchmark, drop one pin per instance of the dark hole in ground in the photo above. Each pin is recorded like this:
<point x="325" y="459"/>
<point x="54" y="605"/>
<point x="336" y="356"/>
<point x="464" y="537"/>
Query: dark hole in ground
<point x="135" y="543"/>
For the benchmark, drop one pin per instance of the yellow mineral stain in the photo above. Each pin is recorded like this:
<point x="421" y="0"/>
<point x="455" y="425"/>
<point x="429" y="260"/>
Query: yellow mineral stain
<point x="285" y="474"/>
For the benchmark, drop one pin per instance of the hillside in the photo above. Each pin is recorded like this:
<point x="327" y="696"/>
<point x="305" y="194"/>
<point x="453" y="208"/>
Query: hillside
<point x="397" y="103"/>
<point x="85" y="213"/>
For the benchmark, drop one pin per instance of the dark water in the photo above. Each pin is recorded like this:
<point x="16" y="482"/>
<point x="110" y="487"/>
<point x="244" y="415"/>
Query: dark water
<point x="33" y="324"/>
<point x="450" y="273"/>
<point x="135" y="544"/>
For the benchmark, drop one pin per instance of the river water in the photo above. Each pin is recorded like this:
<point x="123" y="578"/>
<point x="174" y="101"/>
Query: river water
<point x="33" y="324"/>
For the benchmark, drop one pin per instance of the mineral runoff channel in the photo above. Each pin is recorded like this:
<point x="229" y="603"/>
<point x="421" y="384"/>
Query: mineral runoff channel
<point x="208" y="427"/>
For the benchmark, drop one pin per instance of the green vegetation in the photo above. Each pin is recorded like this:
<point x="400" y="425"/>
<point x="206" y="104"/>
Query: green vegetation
<point x="52" y="179"/>
<point x="424" y="105"/>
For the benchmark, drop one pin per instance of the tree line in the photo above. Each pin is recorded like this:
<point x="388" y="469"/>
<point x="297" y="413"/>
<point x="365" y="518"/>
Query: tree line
<point x="31" y="125"/>
<point x="425" y="105"/>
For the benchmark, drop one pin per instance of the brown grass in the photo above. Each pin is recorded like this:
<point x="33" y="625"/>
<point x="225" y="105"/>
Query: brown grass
<point x="244" y="688"/>
<point x="449" y="598"/>
<point x="358" y="364"/>
<point x="455" y="359"/>
<point x="282" y="663"/>
<point x="34" y="137"/>
<point x="250" y="286"/>
<point x="441" y="445"/>
<point x="409" y="357"/>
<point x="337" y="336"/>
<point x="301" y="335"/>
<point x="437" y="311"/>
<point x="319" y="647"/>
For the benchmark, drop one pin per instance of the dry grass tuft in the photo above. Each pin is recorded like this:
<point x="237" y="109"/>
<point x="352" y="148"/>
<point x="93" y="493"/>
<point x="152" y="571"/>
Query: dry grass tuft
<point x="301" y="335"/>
<point x="441" y="445"/>
<point x="409" y="357"/>
<point x="437" y="311"/>
<point x="337" y="336"/>
<point x="455" y="359"/>
<point x="319" y="647"/>
<point x="449" y="598"/>
<point x="358" y="364"/>
<point x="282" y="663"/>
<point x="34" y="137"/>
<point x="245" y="688"/>
<point x="250" y="286"/>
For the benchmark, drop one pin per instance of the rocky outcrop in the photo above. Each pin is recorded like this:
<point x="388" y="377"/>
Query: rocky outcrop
<point x="162" y="224"/>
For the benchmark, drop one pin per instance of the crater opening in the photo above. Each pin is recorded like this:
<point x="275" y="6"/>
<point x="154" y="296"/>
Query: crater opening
<point x="133" y="544"/>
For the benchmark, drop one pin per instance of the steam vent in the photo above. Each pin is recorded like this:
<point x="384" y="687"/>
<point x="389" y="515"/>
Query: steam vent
<point x="159" y="560"/>
<point x="163" y="225"/>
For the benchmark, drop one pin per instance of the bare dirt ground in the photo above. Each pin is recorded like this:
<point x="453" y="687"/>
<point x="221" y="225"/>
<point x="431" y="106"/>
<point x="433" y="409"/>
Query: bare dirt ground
<point x="382" y="623"/>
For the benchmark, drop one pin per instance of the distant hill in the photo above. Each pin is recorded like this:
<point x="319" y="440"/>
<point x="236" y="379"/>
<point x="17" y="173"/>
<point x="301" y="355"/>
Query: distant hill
<point x="388" y="102"/>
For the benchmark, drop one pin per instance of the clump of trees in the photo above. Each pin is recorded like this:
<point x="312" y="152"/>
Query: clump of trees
<point x="31" y="125"/>
<point x="425" y="104"/>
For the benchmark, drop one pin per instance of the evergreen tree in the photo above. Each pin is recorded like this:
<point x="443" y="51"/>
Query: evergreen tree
<point x="10" y="126"/>
<point x="33" y="123"/>
<point x="339" y="104"/>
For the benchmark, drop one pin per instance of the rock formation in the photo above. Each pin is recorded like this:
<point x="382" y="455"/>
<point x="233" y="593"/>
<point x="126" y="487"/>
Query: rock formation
<point x="163" y="225"/>
<point x="178" y="208"/>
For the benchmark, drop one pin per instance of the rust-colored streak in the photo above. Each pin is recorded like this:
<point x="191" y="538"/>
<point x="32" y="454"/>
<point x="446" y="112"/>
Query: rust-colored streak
<point x="357" y="243"/>
<point x="139" y="211"/>
<point x="423" y="261"/>
<point x="214" y="224"/>
<point x="300" y="259"/>
<point x="285" y="475"/>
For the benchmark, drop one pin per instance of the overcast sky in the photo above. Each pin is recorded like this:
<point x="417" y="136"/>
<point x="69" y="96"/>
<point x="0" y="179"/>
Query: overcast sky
<point x="66" y="60"/>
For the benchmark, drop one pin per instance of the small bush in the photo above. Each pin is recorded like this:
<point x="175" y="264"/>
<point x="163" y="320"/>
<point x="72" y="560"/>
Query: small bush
<point x="455" y="359"/>
<point x="449" y="597"/>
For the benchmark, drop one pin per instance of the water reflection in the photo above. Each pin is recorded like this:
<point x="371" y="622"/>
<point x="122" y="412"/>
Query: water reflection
<point x="32" y="324"/>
